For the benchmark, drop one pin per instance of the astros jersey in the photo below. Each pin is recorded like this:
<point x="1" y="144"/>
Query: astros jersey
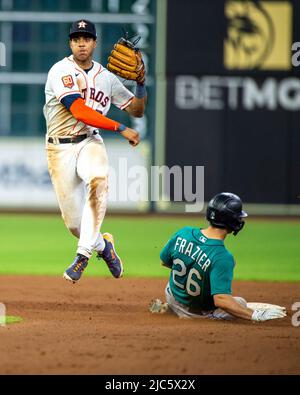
<point x="201" y="268"/>
<point x="98" y="87"/>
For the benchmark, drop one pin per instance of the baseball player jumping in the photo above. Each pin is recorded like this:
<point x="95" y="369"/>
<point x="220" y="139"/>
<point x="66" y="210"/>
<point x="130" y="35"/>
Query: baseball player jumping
<point x="79" y="92"/>
<point x="202" y="268"/>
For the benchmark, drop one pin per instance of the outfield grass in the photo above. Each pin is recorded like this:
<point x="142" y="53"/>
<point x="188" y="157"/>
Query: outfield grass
<point x="31" y="244"/>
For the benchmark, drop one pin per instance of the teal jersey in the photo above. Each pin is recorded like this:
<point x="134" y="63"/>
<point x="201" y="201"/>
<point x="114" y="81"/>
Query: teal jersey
<point x="200" y="268"/>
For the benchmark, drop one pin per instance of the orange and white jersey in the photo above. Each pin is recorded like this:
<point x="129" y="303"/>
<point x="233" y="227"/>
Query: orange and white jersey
<point x="98" y="87"/>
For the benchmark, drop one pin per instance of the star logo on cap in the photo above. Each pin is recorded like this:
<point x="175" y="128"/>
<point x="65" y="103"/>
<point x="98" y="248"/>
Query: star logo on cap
<point x="82" y="24"/>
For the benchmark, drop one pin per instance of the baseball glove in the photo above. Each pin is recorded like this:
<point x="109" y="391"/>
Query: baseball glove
<point x="126" y="61"/>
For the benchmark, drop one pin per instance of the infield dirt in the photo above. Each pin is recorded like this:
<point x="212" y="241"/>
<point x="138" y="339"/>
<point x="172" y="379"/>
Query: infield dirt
<point x="102" y="326"/>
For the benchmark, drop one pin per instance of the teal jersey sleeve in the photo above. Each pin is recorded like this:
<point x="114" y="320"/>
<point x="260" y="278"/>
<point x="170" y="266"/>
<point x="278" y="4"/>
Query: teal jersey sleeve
<point x="165" y="254"/>
<point x="221" y="274"/>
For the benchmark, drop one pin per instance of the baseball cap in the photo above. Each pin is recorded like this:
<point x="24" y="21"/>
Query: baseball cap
<point x="83" y="26"/>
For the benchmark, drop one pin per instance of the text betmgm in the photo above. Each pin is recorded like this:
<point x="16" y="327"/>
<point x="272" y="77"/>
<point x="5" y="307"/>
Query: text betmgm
<point x="237" y="93"/>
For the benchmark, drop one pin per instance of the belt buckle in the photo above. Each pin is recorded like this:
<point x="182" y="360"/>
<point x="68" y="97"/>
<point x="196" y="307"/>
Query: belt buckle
<point x="74" y="140"/>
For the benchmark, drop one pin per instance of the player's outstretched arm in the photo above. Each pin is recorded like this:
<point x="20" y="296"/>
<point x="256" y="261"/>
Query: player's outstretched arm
<point x="91" y="117"/>
<point x="231" y="306"/>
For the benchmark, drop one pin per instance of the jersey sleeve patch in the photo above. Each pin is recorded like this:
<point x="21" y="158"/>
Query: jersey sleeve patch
<point x="68" y="81"/>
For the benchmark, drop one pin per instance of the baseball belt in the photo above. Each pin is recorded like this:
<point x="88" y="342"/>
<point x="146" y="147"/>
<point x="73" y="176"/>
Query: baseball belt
<point x="73" y="140"/>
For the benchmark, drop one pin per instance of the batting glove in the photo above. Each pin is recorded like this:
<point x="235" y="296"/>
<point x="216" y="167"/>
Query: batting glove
<point x="269" y="314"/>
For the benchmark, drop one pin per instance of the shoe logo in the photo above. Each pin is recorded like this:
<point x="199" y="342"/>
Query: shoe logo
<point x="76" y="75"/>
<point x="78" y="267"/>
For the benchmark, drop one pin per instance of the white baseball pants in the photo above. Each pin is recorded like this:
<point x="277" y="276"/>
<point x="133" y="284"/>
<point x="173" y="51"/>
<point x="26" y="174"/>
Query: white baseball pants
<point x="183" y="311"/>
<point x="79" y="174"/>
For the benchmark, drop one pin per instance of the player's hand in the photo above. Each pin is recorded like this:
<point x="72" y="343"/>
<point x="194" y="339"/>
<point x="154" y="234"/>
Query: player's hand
<point x="131" y="135"/>
<point x="269" y="314"/>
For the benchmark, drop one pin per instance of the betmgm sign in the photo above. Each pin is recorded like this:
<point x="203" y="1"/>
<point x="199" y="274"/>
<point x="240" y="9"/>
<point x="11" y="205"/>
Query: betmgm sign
<point x="2" y="54"/>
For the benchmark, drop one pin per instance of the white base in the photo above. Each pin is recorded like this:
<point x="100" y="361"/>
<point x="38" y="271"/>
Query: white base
<point x="264" y="306"/>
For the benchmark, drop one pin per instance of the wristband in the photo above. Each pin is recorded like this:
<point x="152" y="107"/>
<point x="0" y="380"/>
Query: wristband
<point x="121" y="128"/>
<point x="140" y="91"/>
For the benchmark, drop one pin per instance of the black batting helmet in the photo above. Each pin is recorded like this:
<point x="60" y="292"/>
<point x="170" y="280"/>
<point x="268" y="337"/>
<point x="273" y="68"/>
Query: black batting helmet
<point x="225" y="211"/>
